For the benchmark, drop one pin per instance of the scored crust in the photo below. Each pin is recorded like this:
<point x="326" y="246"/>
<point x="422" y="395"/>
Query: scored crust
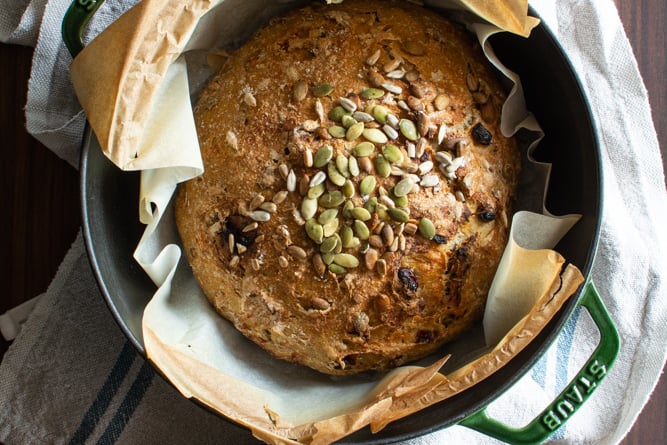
<point x="344" y="275"/>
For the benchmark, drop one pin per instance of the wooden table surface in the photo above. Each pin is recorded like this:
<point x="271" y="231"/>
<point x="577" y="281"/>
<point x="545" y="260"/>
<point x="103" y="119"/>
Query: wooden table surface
<point x="40" y="191"/>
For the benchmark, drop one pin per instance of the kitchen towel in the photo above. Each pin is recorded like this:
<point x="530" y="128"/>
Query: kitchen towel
<point x="71" y="377"/>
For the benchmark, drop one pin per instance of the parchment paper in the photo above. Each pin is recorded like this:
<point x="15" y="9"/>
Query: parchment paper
<point x="144" y="122"/>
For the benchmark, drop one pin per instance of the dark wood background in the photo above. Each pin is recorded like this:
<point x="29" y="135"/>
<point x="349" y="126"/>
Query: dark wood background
<point x="40" y="191"/>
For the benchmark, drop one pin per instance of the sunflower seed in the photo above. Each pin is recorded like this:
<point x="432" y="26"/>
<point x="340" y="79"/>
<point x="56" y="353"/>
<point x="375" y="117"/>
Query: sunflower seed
<point x="283" y="262"/>
<point x="373" y="58"/>
<point x="348" y="104"/>
<point x="297" y="252"/>
<point x="391" y="65"/>
<point x="318" y="178"/>
<point x="390" y="132"/>
<point x="300" y="90"/>
<point x="472" y="82"/>
<point x="307" y="158"/>
<point x="425" y="167"/>
<point x="396" y="74"/>
<point x="442" y="133"/>
<point x="260" y="216"/>
<point x="291" y="181"/>
<point x="250" y="227"/>
<point x="362" y="116"/>
<point x="381" y="267"/>
<point x="232" y="140"/>
<point x="429" y="181"/>
<point x="249" y="99"/>
<point x="234" y="261"/>
<point x="392" y="88"/>
<point x="270" y="207"/>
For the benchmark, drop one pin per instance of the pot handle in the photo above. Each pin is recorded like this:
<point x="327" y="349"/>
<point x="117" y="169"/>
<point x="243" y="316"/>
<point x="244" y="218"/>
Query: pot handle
<point x="74" y="23"/>
<point x="574" y="394"/>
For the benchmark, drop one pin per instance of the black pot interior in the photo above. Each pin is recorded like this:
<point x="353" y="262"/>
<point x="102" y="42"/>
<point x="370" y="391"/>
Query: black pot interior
<point x="112" y="229"/>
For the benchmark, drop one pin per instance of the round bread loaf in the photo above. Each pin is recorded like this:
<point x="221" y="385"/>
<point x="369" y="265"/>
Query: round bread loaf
<point x="357" y="187"/>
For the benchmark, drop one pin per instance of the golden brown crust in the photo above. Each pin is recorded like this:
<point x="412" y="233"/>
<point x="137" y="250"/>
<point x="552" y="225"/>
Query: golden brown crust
<point x="258" y="120"/>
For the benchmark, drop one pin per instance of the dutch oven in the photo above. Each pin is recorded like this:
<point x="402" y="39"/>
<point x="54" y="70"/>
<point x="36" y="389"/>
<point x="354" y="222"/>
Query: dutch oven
<point x="554" y="95"/>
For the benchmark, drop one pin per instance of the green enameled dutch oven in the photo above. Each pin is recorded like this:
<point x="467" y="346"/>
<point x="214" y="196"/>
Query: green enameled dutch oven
<point x="554" y="95"/>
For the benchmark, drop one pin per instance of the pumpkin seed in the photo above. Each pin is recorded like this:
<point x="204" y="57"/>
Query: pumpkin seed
<point x="316" y="192"/>
<point x="353" y="166"/>
<point x="392" y="153"/>
<point x="308" y="208"/>
<point x="334" y="174"/>
<point x="327" y="216"/>
<point x="367" y="185"/>
<point x="346" y="260"/>
<point x="375" y="135"/>
<point x="426" y="228"/>
<point x="322" y="89"/>
<point x="403" y="187"/>
<point x="380" y="114"/>
<point x="327" y="258"/>
<point x="370" y="204"/>
<point x="330" y="228"/>
<point x="348" y="188"/>
<point x="360" y="213"/>
<point x="337" y="269"/>
<point x="347" y="121"/>
<point x="349" y="205"/>
<point x="364" y="149"/>
<point x="408" y="129"/>
<point x="400" y="201"/>
<point x="328" y="245"/>
<point x="398" y="215"/>
<point x="360" y="229"/>
<point x="342" y="164"/>
<point x="382" y="166"/>
<point x="346" y="235"/>
<point x="336" y="113"/>
<point x="354" y="131"/>
<point x="337" y="131"/>
<point x="372" y="93"/>
<point x="314" y="231"/>
<point x="331" y="199"/>
<point x="323" y="156"/>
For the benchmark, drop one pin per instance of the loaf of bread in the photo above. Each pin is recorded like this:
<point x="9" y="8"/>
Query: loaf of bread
<point x="357" y="187"/>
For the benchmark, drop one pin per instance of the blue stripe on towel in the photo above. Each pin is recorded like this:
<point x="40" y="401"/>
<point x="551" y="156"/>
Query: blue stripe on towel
<point x="105" y="394"/>
<point x="128" y="405"/>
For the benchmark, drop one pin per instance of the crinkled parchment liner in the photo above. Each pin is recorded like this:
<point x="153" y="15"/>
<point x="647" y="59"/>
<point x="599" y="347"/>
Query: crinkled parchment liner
<point x="143" y="120"/>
